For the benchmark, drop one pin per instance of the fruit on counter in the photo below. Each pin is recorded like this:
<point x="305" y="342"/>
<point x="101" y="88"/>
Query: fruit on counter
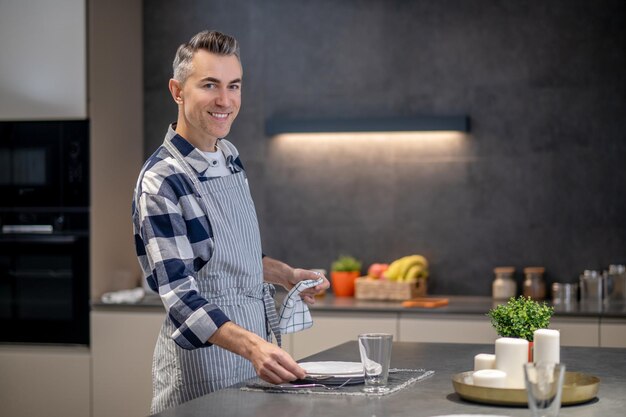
<point x="376" y="270"/>
<point x="407" y="268"/>
<point x="415" y="272"/>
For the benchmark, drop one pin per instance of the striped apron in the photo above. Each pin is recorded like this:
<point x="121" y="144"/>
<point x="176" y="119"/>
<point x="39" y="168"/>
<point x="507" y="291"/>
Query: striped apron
<point x="233" y="280"/>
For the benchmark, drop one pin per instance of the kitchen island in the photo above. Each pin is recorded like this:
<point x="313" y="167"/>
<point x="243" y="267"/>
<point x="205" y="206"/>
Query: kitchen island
<point x="122" y="384"/>
<point x="434" y="396"/>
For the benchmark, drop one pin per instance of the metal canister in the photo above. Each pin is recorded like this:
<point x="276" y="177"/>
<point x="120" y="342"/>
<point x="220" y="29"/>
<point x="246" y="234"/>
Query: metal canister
<point x="591" y="286"/>
<point x="564" y="293"/>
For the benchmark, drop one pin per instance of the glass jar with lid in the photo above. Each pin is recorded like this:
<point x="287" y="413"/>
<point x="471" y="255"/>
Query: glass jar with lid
<point x="615" y="283"/>
<point x="504" y="286"/>
<point x="534" y="284"/>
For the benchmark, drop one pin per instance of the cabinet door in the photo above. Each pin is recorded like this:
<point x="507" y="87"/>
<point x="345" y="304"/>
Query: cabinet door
<point x="446" y="328"/>
<point x="43" y="70"/>
<point x="332" y="328"/>
<point x="122" y="345"/>
<point x="51" y="381"/>
<point x="577" y="331"/>
<point x="613" y="333"/>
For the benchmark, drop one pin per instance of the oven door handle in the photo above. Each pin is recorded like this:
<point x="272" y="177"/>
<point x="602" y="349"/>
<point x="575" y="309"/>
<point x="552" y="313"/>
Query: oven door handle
<point x="56" y="239"/>
<point x="27" y="228"/>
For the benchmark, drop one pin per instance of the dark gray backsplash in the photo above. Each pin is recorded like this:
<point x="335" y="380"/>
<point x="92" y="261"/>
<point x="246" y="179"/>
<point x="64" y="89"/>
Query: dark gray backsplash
<point x="540" y="180"/>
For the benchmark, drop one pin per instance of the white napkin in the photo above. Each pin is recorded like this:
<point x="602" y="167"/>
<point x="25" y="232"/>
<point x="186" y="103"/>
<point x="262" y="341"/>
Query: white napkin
<point x="123" y="296"/>
<point x="371" y="367"/>
<point x="294" y="313"/>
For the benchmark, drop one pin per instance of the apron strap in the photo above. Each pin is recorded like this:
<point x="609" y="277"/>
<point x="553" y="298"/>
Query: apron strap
<point x="270" y="312"/>
<point x="181" y="160"/>
<point x="271" y="315"/>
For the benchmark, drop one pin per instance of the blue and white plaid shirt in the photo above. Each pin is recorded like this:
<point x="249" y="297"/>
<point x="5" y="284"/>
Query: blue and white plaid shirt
<point x="173" y="236"/>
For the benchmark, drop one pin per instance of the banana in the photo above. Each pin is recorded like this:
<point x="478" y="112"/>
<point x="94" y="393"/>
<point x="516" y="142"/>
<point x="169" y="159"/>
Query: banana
<point x="408" y="262"/>
<point x="392" y="273"/>
<point x="399" y="269"/>
<point x="422" y="260"/>
<point x="413" y="272"/>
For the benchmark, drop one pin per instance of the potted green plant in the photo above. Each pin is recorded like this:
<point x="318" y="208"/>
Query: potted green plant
<point x="344" y="271"/>
<point x="520" y="317"/>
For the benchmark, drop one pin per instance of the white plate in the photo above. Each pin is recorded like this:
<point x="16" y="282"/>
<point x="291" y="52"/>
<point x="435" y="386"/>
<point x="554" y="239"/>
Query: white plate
<point x="333" y="368"/>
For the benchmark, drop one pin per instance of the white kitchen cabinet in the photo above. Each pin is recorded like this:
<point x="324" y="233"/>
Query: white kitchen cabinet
<point x="51" y="381"/>
<point x="613" y="332"/>
<point x="43" y="70"/>
<point x="446" y="328"/>
<point x="122" y="345"/>
<point x="577" y="331"/>
<point x="332" y="328"/>
<point x="449" y="328"/>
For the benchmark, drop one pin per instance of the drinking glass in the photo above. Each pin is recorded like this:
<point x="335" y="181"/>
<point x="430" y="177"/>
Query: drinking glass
<point x="544" y="383"/>
<point x="375" y="350"/>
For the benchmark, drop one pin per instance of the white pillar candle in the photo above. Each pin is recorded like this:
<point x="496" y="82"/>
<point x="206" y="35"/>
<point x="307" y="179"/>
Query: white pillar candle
<point x="546" y="346"/>
<point x="511" y="355"/>
<point x="492" y="378"/>
<point x="484" y="361"/>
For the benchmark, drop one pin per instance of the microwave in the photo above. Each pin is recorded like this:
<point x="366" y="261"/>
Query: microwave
<point x="44" y="164"/>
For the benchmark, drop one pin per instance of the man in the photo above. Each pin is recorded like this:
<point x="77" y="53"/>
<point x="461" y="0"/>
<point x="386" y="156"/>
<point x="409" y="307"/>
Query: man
<point x="198" y="242"/>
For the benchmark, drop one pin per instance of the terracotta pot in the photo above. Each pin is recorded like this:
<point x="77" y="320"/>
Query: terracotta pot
<point x="342" y="282"/>
<point x="530" y="351"/>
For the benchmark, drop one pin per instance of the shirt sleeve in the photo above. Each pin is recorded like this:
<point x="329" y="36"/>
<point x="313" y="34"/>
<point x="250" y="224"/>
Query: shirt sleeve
<point x="170" y="256"/>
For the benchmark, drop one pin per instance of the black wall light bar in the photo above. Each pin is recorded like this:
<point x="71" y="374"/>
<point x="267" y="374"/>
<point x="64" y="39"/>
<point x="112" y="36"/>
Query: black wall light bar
<point x="276" y="126"/>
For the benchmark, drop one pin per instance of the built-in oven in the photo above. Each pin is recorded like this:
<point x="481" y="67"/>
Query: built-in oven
<point x="44" y="232"/>
<point x="44" y="277"/>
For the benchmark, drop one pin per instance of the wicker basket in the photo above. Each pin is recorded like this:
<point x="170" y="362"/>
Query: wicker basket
<point x="375" y="289"/>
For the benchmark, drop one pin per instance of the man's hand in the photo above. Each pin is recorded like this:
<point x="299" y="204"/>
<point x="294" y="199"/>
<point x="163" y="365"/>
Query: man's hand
<point x="280" y="273"/>
<point x="308" y="295"/>
<point x="272" y="364"/>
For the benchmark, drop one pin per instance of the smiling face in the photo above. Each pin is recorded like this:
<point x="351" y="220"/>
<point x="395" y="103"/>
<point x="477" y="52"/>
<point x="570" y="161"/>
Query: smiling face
<point x="209" y="99"/>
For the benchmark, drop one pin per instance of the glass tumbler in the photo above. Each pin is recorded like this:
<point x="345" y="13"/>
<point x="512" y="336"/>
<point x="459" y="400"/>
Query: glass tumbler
<point x="375" y="350"/>
<point x="544" y="384"/>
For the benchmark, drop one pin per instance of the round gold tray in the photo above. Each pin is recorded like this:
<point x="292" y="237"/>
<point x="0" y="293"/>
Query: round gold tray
<point x="577" y="388"/>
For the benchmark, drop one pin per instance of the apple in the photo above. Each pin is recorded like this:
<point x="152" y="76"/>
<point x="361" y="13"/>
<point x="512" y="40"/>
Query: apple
<point x="376" y="270"/>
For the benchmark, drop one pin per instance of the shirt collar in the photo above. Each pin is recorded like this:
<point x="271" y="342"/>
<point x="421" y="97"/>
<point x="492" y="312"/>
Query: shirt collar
<point x="193" y="155"/>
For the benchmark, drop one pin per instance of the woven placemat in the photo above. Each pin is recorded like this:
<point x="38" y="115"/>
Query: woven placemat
<point x="398" y="379"/>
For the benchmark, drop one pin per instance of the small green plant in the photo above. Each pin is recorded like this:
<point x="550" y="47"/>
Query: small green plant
<point x="346" y="263"/>
<point x="520" y="317"/>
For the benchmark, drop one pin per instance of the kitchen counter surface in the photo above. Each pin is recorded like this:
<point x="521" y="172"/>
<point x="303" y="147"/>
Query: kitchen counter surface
<point x="434" y="396"/>
<point x="462" y="305"/>
<point x="457" y="305"/>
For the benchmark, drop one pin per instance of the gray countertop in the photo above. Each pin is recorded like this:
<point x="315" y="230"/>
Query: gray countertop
<point x="457" y="305"/>
<point x="462" y="305"/>
<point x="434" y="396"/>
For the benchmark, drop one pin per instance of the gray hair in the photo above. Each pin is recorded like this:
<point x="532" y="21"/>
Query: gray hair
<point x="211" y="41"/>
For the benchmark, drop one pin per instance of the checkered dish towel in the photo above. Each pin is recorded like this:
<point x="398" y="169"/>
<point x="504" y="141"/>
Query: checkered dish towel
<point x="294" y="313"/>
